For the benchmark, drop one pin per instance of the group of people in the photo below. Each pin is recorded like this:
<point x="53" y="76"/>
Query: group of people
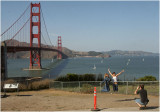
<point x="143" y="101"/>
<point x="114" y="78"/>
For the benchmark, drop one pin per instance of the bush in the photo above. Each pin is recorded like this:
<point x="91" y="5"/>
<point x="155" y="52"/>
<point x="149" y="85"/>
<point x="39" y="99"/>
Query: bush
<point x="22" y="87"/>
<point x="89" y="77"/>
<point x="75" y="77"/>
<point x="68" y="77"/>
<point x="99" y="77"/>
<point x="37" y="85"/>
<point x="34" y="85"/>
<point x="147" y="78"/>
<point x="72" y="77"/>
<point x="81" y="78"/>
<point x="62" y="78"/>
<point x="87" y="88"/>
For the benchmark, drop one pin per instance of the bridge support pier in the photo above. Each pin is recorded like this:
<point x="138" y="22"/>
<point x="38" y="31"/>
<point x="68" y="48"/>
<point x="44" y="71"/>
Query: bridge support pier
<point x="3" y="61"/>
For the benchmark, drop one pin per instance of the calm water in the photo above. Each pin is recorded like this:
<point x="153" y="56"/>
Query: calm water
<point x="134" y="67"/>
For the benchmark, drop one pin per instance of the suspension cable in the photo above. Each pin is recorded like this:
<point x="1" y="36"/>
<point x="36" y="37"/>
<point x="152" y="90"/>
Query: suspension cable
<point x="46" y="28"/>
<point x="19" y="30"/>
<point x="15" y="21"/>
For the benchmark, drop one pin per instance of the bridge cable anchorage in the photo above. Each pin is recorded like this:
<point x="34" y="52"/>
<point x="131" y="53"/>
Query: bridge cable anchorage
<point x="15" y="21"/>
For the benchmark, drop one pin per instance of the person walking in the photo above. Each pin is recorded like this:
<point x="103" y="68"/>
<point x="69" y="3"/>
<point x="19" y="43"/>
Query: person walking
<point x="143" y="97"/>
<point x="114" y="77"/>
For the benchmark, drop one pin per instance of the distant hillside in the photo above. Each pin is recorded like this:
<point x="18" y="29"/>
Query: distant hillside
<point x="44" y="54"/>
<point x="50" y="54"/>
<point x="89" y="54"/>
<point x="130" y="53"/>
<point x="71" y="53"/>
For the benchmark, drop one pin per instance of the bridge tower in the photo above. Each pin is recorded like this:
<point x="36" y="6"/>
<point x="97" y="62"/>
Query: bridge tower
<point x="35" y="55"/>
<point x="59" y="47"/>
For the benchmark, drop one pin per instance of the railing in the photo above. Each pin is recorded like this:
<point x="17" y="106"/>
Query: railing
<point x="124" y="87"/>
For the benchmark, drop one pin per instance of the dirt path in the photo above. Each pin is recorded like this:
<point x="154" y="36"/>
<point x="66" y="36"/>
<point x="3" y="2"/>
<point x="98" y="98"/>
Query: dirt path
<point x="54" y="100"/>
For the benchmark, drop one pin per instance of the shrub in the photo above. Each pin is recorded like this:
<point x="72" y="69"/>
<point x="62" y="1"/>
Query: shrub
<point x="87" y="88"/>
<point x="147" y="78"/>
<point x="62" y="78"/>
<point x="22" y="87"/>
<point x="72" y="77"/>
<point x="36" y="85"/>
<point x="75" y="77"/>
<point x="81" y="78"/>
<point x="99" y="77"/>
<point x="89" y="77"/>
<point x="10" y="81"/>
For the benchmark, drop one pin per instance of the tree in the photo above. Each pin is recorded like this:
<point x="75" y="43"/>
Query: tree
<point x="147" y="78"/>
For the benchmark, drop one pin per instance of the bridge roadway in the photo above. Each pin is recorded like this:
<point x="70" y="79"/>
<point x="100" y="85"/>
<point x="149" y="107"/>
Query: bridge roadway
<point x="13" y="49"/>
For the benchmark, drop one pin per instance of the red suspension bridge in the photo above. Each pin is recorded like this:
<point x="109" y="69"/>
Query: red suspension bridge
<point x="29" y="33"/>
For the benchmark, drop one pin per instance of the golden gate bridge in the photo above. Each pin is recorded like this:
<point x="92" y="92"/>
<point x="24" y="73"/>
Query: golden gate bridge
<point x="29" y="33"/>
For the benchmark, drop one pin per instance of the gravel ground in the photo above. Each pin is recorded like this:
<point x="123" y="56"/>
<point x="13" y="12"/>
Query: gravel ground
<point x="55" y="100"/>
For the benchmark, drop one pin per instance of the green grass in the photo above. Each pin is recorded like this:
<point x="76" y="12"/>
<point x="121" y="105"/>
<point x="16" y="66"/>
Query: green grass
<point x="152" y="88"/>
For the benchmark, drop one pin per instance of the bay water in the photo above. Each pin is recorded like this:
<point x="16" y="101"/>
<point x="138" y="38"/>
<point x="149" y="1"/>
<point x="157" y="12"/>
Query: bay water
<point x="135" y="67"/>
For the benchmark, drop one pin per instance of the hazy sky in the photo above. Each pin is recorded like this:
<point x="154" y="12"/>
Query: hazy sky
<point x="96" y="26"/>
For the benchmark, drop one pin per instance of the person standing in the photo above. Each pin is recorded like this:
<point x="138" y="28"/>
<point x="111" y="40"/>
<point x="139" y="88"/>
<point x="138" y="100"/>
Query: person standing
<point x="107" y="81"/>
<point x="114" y="77"/>
<point x="143" y="97"/>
